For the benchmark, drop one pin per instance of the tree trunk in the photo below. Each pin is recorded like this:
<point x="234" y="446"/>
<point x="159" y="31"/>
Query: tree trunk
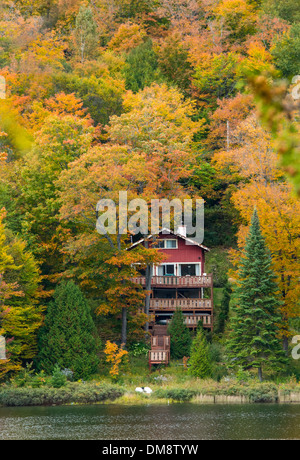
<point x="147" y="298"/>
<point x="124" y="326"/>
<point x="147" y="288"/>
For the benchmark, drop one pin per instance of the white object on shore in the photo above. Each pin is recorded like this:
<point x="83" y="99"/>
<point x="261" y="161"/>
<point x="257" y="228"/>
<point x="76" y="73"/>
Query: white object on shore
<point x="143" y="390"/>
<point x="139" y="390"/>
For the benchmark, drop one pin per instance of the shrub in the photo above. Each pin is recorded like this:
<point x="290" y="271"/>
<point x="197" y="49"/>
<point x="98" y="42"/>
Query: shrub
<point x="263" y="393"/>
<point x="176" y="394"/>
<point x="139" y="349"/>
<point x="70" y="393"/>
<point x="58" y="378"/>
<point x="114" y="355"/>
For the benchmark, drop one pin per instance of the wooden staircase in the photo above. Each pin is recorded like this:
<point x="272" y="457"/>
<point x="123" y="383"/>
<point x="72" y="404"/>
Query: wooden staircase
<point x="160" y="346"/>
<point x="160" y="329"/>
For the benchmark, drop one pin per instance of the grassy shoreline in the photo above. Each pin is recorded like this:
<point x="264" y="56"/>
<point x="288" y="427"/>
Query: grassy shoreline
<point x="206" y="392"/>
<point x="169" y="385"/>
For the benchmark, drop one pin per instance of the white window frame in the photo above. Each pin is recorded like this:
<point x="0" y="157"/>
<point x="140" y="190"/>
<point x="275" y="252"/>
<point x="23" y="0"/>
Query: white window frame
<point x="178" y="268"/>
<point x="161" y="267"/>
<point x="164" y="241"/>
<point x="190" y="263"/>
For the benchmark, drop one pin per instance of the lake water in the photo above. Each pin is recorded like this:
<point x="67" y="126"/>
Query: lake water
<point x="173" y="422"/>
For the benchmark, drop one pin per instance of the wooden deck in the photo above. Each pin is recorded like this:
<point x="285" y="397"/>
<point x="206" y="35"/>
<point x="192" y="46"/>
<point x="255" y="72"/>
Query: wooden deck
<point x="176" y="281"/>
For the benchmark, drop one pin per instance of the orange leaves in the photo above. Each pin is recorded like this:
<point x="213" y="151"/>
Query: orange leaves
<point x="232" y="111"/>
<point x="250" y="152"/>
<point x="63" y="104"/>
<point x="114" y="355"/>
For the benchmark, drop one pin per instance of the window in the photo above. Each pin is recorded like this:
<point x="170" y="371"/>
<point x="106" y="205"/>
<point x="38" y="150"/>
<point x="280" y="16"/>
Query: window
<point x="169" y="270"/>
<point x="189" y="269"/>
<point x="165" y="244"/>
<point x="166" y="270"/>
<point x="171" y="244"/>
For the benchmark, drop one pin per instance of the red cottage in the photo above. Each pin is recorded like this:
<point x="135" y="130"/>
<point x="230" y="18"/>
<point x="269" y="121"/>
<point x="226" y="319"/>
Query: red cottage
<point x="180" y="281"/>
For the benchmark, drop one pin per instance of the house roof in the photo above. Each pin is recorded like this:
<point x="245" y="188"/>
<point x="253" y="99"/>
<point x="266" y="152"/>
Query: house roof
<point x="189" y="240"/>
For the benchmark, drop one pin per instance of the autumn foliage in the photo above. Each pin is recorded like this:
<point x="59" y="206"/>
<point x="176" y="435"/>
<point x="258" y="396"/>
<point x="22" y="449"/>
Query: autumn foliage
<point x="114" y="355"/>
<point x="161" y="99"/>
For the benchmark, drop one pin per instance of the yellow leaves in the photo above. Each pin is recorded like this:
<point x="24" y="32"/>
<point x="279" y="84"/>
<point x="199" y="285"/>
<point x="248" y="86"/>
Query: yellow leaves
<point x="114" y="355"/>
<point x="127" y="37"/>
<point x="47" y="51"/>
<point x="8" y="366"/>
<point x="158" y="123"/>
<point x="12" y="131"/>
<point x="6" y="260"/>
<point x="237" y="16"/>
<point x="162" y="101"/>
<point x="258" y="61"/>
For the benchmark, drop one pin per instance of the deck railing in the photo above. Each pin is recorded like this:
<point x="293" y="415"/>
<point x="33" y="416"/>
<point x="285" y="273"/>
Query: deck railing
<point x="160" y="350"/>
<point x="159" y="357"/>
<point x="183" y="304"/>
<point x="193" y="320"/>
<point x="176" y="281"/>
<point x="160" y="342"/>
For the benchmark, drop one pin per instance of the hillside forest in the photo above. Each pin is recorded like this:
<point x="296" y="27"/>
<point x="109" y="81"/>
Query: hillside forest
<point x="162" y="99"/>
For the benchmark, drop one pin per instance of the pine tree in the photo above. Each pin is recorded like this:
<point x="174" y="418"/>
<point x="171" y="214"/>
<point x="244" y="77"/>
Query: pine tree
<point x="68" y="338"/>
<point x="141" y="67"/>
<point x="180" y="336"/>
<point x="200" y="365"/>
<point x="252" y="340"/>
<point x="224" y="309"/>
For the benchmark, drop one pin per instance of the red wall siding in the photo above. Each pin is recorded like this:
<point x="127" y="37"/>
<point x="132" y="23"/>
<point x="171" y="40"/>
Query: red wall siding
<point x="184" y="253"/>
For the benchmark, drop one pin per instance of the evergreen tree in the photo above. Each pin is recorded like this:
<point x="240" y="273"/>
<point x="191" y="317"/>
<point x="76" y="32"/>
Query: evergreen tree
<point x="141" y="67"/>
<point x="58" y="379"/>
<point x="68" y="337"/>
<point x="253" y="340"/>
<point x="224" y="309"/>
<point x="200" y="365"/>
<point x="180" y="336"/>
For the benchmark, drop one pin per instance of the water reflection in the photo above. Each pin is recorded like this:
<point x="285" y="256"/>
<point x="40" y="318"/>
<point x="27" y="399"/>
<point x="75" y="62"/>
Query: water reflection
<point x="173" y="422"/>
